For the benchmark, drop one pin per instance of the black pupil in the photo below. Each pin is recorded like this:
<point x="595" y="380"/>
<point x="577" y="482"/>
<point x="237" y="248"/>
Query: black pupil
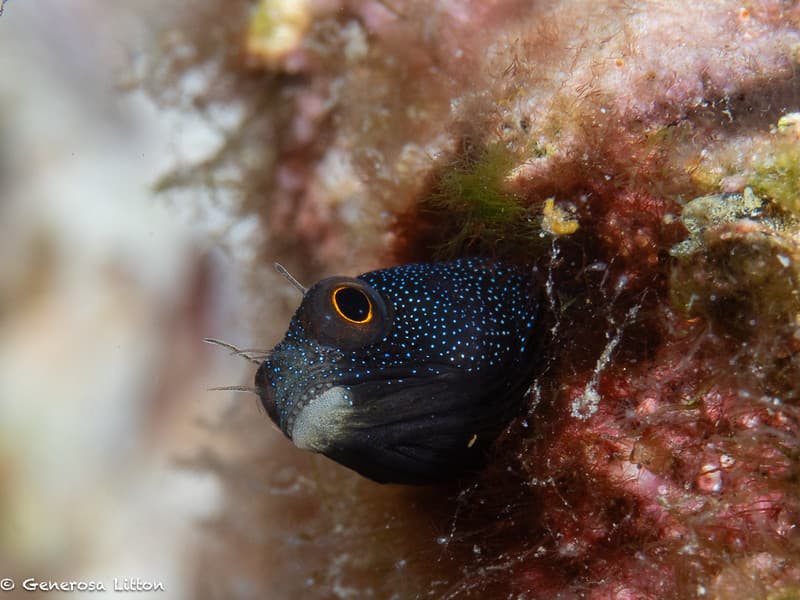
<point x="352" y="303"/>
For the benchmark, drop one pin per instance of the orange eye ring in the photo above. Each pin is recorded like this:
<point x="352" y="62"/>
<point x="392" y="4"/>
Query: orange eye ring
<point x="352" y="304"/>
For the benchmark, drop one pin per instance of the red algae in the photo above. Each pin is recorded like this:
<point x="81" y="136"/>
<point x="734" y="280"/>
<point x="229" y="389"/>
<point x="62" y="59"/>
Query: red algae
<point x="658" y="453"/>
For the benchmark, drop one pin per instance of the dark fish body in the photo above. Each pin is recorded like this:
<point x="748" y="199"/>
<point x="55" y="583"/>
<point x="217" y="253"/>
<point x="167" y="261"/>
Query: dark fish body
<point x="405" y="374"/>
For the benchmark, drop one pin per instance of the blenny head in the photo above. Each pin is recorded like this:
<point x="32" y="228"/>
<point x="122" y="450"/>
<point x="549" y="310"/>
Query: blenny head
<point x="405" y="374"/>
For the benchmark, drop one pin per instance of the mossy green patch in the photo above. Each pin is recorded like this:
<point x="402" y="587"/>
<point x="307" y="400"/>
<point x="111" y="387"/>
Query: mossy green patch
<point x="474" y="195"/>
<point x="776" y="174"/>
<point x="739" y="269"/>
<point x="790" y="592"/>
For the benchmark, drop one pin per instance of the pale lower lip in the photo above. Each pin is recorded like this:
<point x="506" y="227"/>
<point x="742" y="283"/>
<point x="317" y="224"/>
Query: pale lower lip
<point x="322" y="419"/>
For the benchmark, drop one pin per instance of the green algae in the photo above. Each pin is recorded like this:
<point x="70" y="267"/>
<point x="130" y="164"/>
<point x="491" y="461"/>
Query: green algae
<point x="785" y="593"/>
<point x="739" y="269"/>
<point x="472" y="193"/>
<point x="776" y="175"/>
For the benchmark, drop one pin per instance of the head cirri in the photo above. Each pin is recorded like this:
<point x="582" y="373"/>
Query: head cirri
<point x="405" y="374"/>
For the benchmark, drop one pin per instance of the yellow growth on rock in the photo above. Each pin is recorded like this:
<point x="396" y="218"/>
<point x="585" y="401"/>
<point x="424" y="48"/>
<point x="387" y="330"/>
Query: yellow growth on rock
<point x="276" y="28"/>
<point x="557" y="221"/>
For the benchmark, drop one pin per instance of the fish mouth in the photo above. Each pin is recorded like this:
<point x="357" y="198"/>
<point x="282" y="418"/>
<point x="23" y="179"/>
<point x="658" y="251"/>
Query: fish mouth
<point x="266" y="392"/>
<point x="400" y="431"/>
<point x="363" y="399"/>
<point x="283" y="406"/>
<point x="395" y="426"/>
<point x="326" y="414"/>
<point x="322" y="421"/>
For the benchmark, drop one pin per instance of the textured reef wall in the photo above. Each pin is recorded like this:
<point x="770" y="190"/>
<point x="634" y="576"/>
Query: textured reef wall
<point x="644" y="158"/>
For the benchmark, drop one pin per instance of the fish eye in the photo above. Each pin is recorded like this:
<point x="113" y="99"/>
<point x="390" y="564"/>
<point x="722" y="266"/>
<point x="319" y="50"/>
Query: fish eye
<point x="352" y="304"/>
<point x="345" y="312"/>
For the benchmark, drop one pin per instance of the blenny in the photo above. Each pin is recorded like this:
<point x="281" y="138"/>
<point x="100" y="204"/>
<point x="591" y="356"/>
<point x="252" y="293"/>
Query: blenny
<point x="405" y="374"/>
